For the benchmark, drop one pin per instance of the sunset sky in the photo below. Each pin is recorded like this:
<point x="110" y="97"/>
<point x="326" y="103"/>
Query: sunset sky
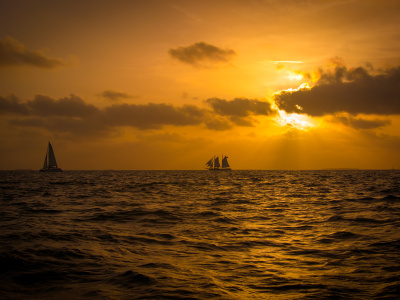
<point x="167" y="84"/>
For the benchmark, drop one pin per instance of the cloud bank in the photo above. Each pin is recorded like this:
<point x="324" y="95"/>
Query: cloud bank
<point x="13" y="53"/>
<point x="202" y="54"/>
<point x="73" y="115"/>
<point x="361" y="123"/>
<point x="45" y="106"/>
<point x="351" y="90"/>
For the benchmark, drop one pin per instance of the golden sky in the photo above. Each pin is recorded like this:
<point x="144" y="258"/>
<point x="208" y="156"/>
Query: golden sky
<point x="167" y="84"/>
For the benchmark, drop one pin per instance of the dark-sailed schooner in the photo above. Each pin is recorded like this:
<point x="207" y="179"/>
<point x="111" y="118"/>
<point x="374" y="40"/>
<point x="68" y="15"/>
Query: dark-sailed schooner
<point x="213" y="164"/>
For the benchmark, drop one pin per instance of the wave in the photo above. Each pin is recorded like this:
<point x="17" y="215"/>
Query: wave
<point x="131" y="278"/>
<point x="197" y="235"/>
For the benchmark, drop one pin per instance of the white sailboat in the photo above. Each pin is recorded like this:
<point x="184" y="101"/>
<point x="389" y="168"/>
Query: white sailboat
<point x="213" y="164"/>
<point x="50" y="163"/>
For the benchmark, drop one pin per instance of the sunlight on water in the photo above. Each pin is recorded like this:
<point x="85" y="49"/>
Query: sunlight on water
<point x="200" y="235"/>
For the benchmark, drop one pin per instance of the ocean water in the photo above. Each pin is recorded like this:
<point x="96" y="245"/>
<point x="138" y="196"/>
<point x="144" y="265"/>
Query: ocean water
<point x="200" y="235"/>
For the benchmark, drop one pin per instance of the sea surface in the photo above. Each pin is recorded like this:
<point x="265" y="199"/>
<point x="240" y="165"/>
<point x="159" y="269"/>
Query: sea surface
<point x="200" y="235"/>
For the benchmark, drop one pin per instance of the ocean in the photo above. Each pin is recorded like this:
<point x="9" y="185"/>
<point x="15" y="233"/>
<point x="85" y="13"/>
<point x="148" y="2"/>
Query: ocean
<point x="200" y="234"/>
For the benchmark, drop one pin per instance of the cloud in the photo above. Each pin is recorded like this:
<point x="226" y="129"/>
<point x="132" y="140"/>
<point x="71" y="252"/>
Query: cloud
<point x="343" y="89"/>
<point x="13" y="53"/>
<point x="45" y="106"/>
<point x="239" y="110"/>
<point x="11" y="105"/>
<point x="202" y="54"/>
<point x="72" y="114"/>
<point x="115" y="96"/>
<point x="152" y="116"/>
<point x="240" y="107"/>
<point x="360" y="123"/>
<point x="71" y="106"/>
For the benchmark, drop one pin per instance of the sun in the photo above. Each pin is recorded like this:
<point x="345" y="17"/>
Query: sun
<point x="298" y="121"/>
<point x="292" y="75"/>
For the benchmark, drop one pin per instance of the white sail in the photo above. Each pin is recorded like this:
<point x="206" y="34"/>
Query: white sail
<point x="216" y="162"/>
<point x="52" y="158"/>
<point x="225" y="162"/>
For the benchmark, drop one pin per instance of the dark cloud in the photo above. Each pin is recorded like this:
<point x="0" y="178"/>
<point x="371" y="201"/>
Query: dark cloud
<point x="11" y="105"/>
<point x="72" y="114"/>
<point x="152" y="116"/>
<point x="75" y="116"/>
<point x="71" y="106"/>
<point x="115" y="96"/>
<point x="201" y="54"/>
<point x="240" y="107"/>
<point x="360" y="123"/>
<point x="69" y="115"/>
<point x="13" y="53"/>
<point x="45" y="106"/>
<point x="352" y="90"/>
<point x="239" y="110"/>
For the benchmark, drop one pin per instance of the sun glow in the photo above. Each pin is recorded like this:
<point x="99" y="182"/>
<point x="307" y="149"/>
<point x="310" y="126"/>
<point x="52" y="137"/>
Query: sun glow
<point x="301" y="122"/>
<point x="303" y="86"/>
<point x="298" y="121"/>
<point x="294" y="75"/>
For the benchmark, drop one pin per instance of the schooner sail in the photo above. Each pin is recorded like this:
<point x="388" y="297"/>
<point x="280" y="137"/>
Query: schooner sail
<point x="213" y="164"/>
<point x="50" y="163"/>
<point x="225" y="164"/>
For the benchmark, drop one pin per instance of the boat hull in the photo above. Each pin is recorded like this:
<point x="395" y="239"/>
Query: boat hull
<point x="226" y="169"/>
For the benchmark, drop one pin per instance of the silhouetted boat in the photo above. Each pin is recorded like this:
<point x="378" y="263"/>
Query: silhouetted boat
<point x="50" y="164"/>
<point x="213" y="164"/>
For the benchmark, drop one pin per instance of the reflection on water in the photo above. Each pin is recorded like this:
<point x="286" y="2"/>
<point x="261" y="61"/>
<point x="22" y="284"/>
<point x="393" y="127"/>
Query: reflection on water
<point x="200" y="235"/>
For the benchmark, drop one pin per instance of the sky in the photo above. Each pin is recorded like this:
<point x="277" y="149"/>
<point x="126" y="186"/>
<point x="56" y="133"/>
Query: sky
<point x="167" y="84"/>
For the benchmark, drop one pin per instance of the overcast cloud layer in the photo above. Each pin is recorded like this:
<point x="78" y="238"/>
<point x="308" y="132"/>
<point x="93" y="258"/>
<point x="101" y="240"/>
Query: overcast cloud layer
<point x="351" y="90"/>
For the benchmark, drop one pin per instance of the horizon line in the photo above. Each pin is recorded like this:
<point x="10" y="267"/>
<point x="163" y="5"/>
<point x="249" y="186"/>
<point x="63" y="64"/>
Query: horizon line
<point x="321" y="169"/>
